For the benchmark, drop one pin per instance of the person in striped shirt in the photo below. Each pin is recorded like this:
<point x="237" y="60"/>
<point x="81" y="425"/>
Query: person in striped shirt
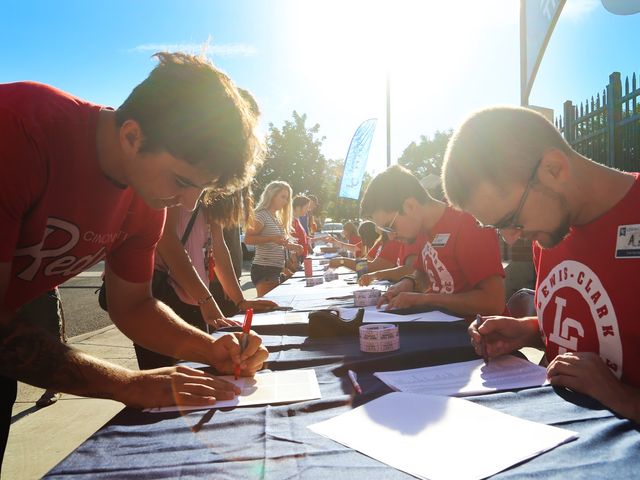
<point x="270" y="233"/>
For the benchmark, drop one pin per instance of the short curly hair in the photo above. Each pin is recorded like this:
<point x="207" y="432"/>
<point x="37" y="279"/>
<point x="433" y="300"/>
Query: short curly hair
<point x="500" y="145"/>
<point x="389" y="189"/>
<point x="192" y="110"/>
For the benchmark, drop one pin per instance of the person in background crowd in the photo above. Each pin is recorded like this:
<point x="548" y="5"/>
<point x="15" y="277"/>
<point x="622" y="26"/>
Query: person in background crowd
<point x="512" y="170"/>
<point x="382" y="253"/>
<point x="226" y="212"/>
<point x="269" y="232"/>
<point x="309" y="221"/>
<point x="353" y="244"/>
<point x="407" y="254"/>
<point x="369" y="234"/>
<point x="301" y="206"/>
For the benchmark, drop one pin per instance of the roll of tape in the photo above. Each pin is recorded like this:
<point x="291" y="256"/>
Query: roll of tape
<point x="330" y="276"/>
<point x="379" y="337"/>
<point x="313" y="281"/>
<point x="366" y="297"/>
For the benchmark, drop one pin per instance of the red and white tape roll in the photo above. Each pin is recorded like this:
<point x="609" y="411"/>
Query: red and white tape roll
<point x="379" y="337"/>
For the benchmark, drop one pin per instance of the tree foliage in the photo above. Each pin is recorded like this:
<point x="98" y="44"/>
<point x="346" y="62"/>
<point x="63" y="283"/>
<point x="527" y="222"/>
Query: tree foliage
<point x="427" y="156"/>
<point x="293" y="155"/>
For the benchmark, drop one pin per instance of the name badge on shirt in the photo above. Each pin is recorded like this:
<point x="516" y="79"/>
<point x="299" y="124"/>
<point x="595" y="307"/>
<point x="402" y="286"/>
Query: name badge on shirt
<point x="440" y="240"/>
<point x="628" y="241"/>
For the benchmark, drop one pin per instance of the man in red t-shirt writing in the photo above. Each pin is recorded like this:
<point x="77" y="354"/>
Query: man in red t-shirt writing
<point x="512" y="170"/>
<point x="459" y="267"/>
<point x="81" y="183"/>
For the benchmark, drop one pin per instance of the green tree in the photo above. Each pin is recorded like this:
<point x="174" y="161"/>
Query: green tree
<point x="427" y="156"/>
<point x="294" y="155"/>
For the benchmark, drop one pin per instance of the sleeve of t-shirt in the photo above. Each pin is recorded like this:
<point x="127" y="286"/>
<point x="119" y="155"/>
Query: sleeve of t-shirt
<point x="478" y="251"/>
<point x="132" y="260"/>
<point x="22" y="180"/>
<point x="390" y="251"/>
<point x="262" y="217"/>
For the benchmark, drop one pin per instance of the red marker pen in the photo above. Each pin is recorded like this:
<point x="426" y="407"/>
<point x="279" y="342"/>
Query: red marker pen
<point x="246" y="328"/>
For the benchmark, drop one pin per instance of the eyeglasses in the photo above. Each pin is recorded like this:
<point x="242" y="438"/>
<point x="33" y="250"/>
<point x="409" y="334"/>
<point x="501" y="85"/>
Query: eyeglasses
<point x="389" y="228"/>
<point x="510" y="222"/>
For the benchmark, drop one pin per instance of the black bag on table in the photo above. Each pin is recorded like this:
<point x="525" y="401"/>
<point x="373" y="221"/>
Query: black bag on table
<point x="329" y="323"/>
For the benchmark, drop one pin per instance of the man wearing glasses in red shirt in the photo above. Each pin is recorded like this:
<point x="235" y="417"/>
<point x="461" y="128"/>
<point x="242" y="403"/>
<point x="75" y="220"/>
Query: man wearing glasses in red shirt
<point x="458" y="268"/>
<point x="511" y="168"/>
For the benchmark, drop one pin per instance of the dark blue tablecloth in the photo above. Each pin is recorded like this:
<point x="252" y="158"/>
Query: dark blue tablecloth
<point x="272" y="442"/>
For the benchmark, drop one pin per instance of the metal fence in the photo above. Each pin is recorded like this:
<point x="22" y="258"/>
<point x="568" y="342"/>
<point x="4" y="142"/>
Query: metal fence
<point x="606" y="128"/>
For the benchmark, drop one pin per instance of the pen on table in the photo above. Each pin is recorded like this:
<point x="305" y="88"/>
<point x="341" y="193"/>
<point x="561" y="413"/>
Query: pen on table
<point x="483" y="345"/>
<point x="354" y="381"/>
<point x="246" y="328"/>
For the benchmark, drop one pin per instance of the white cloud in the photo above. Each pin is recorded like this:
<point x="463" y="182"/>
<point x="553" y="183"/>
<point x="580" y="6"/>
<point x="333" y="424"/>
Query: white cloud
<point x="223" y="50"/>
<point x="578" y="9"/>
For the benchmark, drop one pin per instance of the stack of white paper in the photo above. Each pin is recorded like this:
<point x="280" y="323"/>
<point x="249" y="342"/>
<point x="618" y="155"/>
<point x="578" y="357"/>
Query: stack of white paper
<point x="439" y="437"/>
<point x="467" y="378"/>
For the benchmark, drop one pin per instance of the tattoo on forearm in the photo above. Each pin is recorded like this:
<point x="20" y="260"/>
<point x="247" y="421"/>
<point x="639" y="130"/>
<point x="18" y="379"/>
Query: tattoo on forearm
<point x="33" y="356"/>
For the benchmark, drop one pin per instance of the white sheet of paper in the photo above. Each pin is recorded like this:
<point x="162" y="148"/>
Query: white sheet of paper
<point x="436" y="316"/>
<point x="439" y="437"/>
<point x="265" y="388"/>
<point x="467" y="378"/>
<point x="322" y="256"/>
<point x="427" y="317"/>
<point x="320" y="269"/>
<point x="373" y="315"/>
<point x="275" y="318"/>
<point x="299" y="290"/>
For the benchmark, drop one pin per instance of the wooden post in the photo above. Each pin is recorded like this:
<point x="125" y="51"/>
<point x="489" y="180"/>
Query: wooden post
<point x="569" y="121"/>
<point x="614" y="115"/>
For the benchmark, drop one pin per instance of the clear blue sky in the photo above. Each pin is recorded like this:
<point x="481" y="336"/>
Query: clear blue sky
<point x="325" y="58"/>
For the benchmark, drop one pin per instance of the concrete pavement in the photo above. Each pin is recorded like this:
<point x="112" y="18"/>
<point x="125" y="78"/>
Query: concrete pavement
<point x="41" y="438"/>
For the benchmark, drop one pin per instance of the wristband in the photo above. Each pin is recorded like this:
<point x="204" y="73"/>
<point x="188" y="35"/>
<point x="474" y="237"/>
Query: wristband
<point x="409" y="277"/>
<point x="204" y="300"/>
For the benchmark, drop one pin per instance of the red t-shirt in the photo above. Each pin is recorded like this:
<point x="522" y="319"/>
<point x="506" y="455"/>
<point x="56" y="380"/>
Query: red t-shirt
<point x="458" y="254"/>
<point x="408" y="249"/>
<point x="301" y="236"/>
<point x="59" y="214"/>
<point x="388" y="250"/>
<point x="356" y="240"/>
<point x="588" y="286"/>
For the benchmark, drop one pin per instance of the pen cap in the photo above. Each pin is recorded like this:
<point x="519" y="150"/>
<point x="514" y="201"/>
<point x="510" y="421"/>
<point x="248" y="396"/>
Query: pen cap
<point x="248" y="317"/>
